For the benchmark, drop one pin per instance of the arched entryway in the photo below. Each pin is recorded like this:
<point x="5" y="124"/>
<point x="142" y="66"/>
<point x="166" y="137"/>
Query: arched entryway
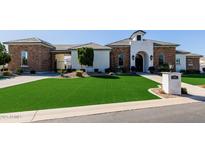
<point x="139" y="63"/>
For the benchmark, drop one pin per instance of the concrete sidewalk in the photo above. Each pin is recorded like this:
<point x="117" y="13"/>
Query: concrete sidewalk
<point x="31" y="116"/>
<point x="195" y="92"/>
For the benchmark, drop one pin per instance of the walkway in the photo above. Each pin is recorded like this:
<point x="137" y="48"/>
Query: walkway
<point x="195" y="92"/>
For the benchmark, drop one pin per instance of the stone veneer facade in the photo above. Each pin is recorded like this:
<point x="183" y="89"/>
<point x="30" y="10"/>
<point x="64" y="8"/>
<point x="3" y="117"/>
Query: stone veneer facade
<point x="39" y="57"/>
<point x="168" y="52"/>
<point x="193" y="63"/>
<point x="169" y="55"/>
<point x="114" y="57"/>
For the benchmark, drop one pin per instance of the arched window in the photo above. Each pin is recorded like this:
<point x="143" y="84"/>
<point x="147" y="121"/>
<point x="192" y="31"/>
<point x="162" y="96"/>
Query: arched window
<point x="24" y="58"/>
<point x="161" y="59"/>
<point x="121" y="59"/>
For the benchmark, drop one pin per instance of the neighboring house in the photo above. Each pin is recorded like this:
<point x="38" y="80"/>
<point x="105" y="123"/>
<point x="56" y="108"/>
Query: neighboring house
<point x="39" y="55"/>
<point x="186" y="60"/>
<point x="202" y="63"/>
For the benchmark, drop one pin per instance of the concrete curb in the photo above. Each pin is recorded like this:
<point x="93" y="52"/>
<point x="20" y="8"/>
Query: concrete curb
<point x="31" y="116"/>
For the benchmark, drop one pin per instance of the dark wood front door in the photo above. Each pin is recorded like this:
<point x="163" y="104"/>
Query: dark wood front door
<point x="139" y="63"/>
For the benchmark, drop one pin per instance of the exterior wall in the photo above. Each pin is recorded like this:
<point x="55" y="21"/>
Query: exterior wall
<point x="202" y="64"/>
<point x="192" y="63"/>
<point x="60" y="61"/>
<point x="182" y="65"/>
<point x="169" y="55"/>
<point x="39" y="57"/>
<point x="142" y="46"/>
<point x="101" y="60"/>
<point x="114" y="57"/>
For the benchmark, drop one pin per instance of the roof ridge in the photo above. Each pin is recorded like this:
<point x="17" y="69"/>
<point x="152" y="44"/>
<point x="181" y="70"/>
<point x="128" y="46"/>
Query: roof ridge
<point x="81" y="45"/>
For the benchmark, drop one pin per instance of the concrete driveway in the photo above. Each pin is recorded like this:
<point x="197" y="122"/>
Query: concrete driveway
<point x="195" y="92"/>
<point x="23" y="79"/>
<point x="183" y="113"/>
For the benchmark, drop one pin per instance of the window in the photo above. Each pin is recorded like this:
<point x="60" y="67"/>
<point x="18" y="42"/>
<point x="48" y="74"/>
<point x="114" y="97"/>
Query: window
<point x="138" y="37"/>
<point x="190" y="62"/>
<point x="121" y="59"/>
<point x="24" y="58"/>
<point x="161" y="59"/>
<point x="178" y="62"/>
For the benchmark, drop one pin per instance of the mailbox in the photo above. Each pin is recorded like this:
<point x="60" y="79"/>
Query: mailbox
<point x="171" y="83"/>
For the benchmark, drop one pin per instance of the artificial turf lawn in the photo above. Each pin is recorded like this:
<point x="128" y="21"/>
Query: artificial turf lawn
<point x="194" y="79"/>
<point x="56" y="93"/>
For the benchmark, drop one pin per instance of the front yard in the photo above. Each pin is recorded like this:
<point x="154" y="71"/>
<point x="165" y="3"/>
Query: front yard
<point x="57" y="93"/>
<point x="194" y="79"/>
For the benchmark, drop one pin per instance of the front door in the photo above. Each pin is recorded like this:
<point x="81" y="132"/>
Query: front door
<point x="139" y="63"/>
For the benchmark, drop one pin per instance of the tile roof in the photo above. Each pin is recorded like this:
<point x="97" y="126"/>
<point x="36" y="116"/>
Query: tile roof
<point x="162" y="43"/>
<point x="194" y="55"/>
<point x="182" y="52"/>
<point x="29" y="40"/>
<point x="188" y="53"/>
<point x="92" y="45"/>
<point x="126" y="42"/>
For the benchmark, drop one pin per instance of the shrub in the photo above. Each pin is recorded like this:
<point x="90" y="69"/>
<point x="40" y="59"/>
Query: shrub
<point x="107" y="70"/>
<point x="69" y="70"/>
<point x="79" y="73"/>
<point x="184" y="91"/>
<point x="203" y="69"/>
<point x="86" y="56"/>
<point x="133" y="68"/>
<point x="7" y="73"/>
<point x="19" y="71"/>
<point x="5" y="69"/>
<point x="83" y="70"/>
<point x="152" y="69"/>
<point x="33" y="72"/>
<point x="193" y="72"/>
<point x="182" y="71"/>
<point x="164" y="68"/>
<point x="73" y="70"/>
<point x="96" y="70"/>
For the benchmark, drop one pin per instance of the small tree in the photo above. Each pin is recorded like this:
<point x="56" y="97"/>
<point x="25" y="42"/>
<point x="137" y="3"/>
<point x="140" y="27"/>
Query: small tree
<point x="85" y="56"/>
<point x="4" y="56"/>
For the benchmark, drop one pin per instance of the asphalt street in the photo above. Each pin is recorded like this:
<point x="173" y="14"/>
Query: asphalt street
<point x="185" y="113"/>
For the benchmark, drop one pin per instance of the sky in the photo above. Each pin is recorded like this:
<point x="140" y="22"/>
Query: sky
<point x="190" y="40"/>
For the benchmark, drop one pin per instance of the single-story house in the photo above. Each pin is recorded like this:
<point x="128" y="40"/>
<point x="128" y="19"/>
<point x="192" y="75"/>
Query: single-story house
<point x="202" y="63"/>
<point x="39" y="55"/>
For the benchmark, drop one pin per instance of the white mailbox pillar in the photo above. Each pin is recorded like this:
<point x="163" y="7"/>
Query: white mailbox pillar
<point x="171" y="83"/>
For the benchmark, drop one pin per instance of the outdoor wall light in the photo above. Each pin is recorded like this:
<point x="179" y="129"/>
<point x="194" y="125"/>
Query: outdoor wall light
<point x="133" y="57"/>
<point x="151" y="57"/>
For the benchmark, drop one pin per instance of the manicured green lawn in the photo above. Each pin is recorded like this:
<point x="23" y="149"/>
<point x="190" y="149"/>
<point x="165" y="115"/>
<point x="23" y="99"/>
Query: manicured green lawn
<point x="194" y="79"/>
<point x="56" y="93"/>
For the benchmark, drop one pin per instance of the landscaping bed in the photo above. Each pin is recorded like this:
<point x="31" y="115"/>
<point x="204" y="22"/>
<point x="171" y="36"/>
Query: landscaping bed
<point x="58" y="93"/>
